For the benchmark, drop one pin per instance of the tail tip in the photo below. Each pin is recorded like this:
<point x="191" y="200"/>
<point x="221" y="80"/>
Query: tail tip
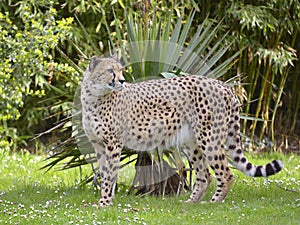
<point x="278" y="165"/>
<point x="269" y="169"/>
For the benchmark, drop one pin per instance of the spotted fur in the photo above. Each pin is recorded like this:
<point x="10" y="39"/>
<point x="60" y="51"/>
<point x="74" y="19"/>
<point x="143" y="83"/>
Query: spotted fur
<point x="195" y="112"/>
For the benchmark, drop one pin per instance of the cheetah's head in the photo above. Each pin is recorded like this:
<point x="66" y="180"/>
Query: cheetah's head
<point x="103" y="76"/>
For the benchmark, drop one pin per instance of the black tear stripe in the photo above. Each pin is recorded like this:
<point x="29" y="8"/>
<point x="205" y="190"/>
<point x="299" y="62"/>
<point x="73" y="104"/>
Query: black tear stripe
<point x="269" y="169"/>
<point x="258" y="172"/>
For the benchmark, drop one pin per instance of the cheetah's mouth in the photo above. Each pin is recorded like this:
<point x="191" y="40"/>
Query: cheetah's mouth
<point x="112" y="84"/>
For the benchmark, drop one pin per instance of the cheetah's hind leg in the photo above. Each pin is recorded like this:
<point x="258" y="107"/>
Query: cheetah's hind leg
<point x="224" y="177"/>
<point x="203" y="176"/>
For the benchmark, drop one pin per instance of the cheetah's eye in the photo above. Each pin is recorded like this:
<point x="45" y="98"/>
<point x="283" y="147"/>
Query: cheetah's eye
<point x="111" y="71"/>
<point x="113" y="81"/>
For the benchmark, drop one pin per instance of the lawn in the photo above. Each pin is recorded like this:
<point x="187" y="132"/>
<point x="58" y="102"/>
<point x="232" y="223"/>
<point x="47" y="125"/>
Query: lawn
<point x="31" y="196"/>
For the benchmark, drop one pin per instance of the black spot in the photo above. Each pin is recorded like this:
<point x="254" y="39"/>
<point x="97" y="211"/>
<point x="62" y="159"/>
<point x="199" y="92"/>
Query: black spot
<point x="243" y="160"/>
<point x="236" y="127"/>
<point x="222" y="157"/>
<point x="98" y="155"/>
<point x="115" y="155"/>
<point x="249" y="166"/>
<point x="239" y="151"/>
<point x="236" y="159"/>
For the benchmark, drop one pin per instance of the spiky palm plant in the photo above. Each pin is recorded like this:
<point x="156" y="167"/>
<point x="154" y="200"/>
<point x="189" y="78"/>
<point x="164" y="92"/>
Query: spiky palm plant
<point x="153" y="48"/>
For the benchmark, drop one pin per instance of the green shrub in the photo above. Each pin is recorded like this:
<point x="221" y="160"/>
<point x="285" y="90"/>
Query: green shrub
<point x="29" y="72"/>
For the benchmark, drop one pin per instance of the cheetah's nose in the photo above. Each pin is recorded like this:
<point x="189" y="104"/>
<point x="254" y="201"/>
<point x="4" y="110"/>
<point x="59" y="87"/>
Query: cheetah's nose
<point x="122" y="81"/>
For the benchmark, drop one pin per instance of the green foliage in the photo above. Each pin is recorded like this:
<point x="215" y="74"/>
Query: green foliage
<point x="29" y="71"/>
<point x="156" y="47"/>
<point x="148" y="36"/>
<point x="269" y="30"/>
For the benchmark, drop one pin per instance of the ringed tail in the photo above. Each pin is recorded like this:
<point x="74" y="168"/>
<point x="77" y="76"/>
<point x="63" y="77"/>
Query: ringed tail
<point x="236" y="153"/>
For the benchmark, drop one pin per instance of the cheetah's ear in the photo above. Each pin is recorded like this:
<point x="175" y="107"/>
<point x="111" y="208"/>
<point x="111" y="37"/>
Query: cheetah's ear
<point x="94" y="62"/>
<point x="114" y="56"/>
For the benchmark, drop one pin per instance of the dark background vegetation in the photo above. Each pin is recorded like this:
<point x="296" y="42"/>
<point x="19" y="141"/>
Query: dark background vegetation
<point x="45" y="47"/>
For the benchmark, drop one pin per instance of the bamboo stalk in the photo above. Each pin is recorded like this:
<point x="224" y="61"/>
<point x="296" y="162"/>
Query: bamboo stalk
<point x="279" y="94"/>
<point x="266" y="106"/>
<point x="259" y="104"/>
<point x="252" y="78"/>
<point x="294" y="108"/>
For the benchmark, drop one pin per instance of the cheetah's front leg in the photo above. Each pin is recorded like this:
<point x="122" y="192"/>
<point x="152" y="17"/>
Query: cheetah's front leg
<point x="109" y="164"/>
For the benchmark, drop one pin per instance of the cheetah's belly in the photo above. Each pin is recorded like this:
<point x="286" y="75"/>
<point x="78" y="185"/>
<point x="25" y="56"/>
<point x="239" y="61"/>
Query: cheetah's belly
<point x="163" y="139"/>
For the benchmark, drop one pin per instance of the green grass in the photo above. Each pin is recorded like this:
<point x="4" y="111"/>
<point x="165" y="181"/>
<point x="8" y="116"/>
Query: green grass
<point x="30" y="196"/>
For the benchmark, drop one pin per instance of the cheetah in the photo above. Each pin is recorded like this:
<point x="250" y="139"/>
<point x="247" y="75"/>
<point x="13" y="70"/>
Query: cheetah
<point x="194" y="112"/>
